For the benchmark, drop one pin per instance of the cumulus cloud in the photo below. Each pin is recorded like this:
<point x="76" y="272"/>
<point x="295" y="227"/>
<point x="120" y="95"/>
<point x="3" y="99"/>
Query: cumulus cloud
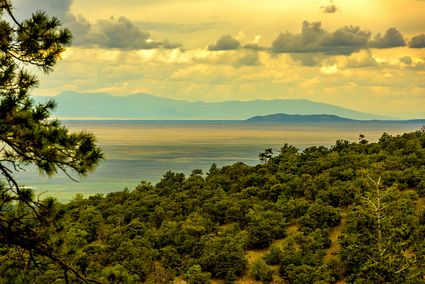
<point x="330" y="8"/>
<point x="313" y="38"/>
<point x="417" y="41"/>
<point x="255" y="44"/>
<point x="343" y="41"/>
<point x="391" y="38"/>
<point x="361" y="59"/>
<point x="226" y="42"/>
<point x="119" y="33"/>
<point x="346" y="40"/>
<point x="236" y="58"/>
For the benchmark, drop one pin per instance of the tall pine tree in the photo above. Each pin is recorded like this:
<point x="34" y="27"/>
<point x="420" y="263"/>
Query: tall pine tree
<point x="29" y="137"/>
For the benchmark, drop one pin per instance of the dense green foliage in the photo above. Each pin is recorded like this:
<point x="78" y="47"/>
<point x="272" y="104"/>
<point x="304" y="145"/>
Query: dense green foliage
<point x="353" y="212"/>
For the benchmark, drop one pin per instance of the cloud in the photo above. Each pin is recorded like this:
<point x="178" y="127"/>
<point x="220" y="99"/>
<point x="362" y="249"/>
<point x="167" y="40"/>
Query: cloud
<point x="343" y="41"/>
<point x="61" y="9"/>
<point x="307" y="41"/>
<point x="226" y="42"/>
<point x="412" y="63"/>
<point x="116" y="33"/>
<point x="360" y="59"/>
<point x="329" y="69"/>
<point x="254" y="46"/>
<point x="346" y="40"/>
<point x="417" y="41"/>
<point x="119" y="33"/>
<point x="392" y="38"/>
<point x="313" y="38"/>
<point x="330" y="8"/>
<point x="57" y="8"/>
<point x="308" y="59"/>
<point x="248" y="59"/>
<point x="180" y="27"/>
<point x="236" y="58"/>
<point x="406" y="60"/>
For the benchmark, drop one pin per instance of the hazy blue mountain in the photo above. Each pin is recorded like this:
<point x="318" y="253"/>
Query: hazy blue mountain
<point x="283" y="117"/>
<point x="320" y="118"/>
<point x="143" y="106"/>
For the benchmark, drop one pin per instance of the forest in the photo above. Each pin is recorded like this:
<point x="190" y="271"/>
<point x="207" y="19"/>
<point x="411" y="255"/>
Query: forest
<point x="350" y="213"/>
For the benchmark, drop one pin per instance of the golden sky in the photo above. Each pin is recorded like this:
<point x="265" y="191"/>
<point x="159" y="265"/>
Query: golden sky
<point x="367" y="55"/>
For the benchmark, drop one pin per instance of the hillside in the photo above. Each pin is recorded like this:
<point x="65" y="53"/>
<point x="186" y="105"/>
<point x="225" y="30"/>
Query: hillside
<point x="143" y="106"/>
<point x="291" y="118"/>
<point x="321" y="118"/>
<point x="354" y="212"/>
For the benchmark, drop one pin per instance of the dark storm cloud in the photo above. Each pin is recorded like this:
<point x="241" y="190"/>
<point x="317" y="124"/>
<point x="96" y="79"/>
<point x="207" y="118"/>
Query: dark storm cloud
<point x="120" y="33"/>
<point x="417" y="41"/>
<point x="391" y="38"/>
<point x="226" y="42"/>
<point x="313" y="38"/>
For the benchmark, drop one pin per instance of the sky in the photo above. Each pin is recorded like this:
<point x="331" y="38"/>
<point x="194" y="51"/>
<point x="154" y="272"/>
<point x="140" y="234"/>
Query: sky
<point x="366" y="55"/>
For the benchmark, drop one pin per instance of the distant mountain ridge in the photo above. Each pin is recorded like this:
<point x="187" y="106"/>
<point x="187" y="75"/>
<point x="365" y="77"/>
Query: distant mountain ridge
<point x="144" y="106"/>
<point x="283" y="117"/>
<point x="318" y="118"/>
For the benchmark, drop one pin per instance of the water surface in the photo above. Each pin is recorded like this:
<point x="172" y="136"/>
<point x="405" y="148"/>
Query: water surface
<point x="145" y="150"/>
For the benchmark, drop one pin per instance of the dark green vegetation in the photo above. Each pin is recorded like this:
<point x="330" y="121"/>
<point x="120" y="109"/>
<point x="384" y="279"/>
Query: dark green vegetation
<point x="353" y="212"/>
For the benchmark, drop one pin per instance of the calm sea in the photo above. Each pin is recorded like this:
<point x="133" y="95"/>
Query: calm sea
<point x="145" y="150"/>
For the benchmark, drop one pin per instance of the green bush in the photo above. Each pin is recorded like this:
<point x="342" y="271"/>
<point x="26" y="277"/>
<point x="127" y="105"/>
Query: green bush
<point x="261" y="271"/>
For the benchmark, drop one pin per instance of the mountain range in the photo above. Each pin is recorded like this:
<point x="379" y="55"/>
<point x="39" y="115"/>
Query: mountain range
<point x="144" y="106"/>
